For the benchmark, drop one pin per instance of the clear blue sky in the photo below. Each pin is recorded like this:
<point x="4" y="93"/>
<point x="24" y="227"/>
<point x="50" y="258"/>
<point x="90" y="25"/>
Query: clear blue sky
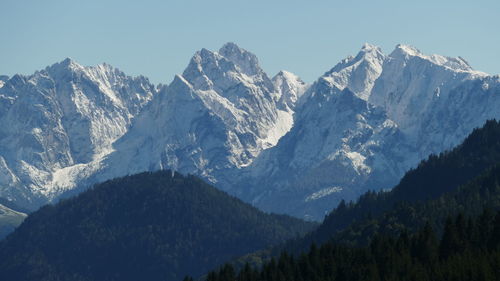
<point x="157" y="38"/>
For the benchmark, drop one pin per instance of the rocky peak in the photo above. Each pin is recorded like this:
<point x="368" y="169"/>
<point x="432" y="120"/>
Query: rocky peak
<point x="407" y="52"/>
<point x="358" y="73"/>
<point x="243" y="59"/>
<point x="290" y="89"/>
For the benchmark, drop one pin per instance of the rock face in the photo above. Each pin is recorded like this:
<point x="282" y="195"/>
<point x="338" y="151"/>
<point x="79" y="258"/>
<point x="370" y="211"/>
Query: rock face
<point x="339" y="141"/>
<point x="435" y="100"/>
<point x="212" y="120"/>
<point x="367" y="121"/>
<point x="358" y="73"/>
<point x="279" y="143"/>
<point x="59" y="120"/>
<point x="339" y="145"/>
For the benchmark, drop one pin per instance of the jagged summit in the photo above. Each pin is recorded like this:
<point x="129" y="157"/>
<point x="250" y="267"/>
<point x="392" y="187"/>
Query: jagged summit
<point x="68" y="61"/>
<point x="368" y="53"/>
<point x="204" y="66"/>
<point x="223" y="70"/>
<point x="246" y="61"/>
<point x="406" y="52"/>
<point x="284" y="73"/>
<point x="65" y="64"/>
<point x="63" y="70"/>
<point x="102" y="71"/>
<point x="287" y="76"/>
<point x="231" y="47"/>
<point x="358" y="73"/>
<point x="367" y="47"/>
<point x="290" y="89"/>
<point x="106" y="67"/>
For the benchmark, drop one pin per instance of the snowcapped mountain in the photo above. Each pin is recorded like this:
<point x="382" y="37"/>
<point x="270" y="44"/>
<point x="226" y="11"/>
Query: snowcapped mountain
<point x="280" y="143"/>
<point x="214" y="118"/>
<point x="358" y="73"/>
<point x="290" y="89"/>
<point x="435" y="100"/>
<point x="339" y="145"/>
<point x="367" y="121"/>
<point x="59" y="120"/>
<point x="334" y="146"/>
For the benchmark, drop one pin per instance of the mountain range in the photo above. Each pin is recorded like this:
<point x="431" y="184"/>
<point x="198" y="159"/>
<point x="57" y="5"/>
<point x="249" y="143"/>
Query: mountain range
<point x="279" y="143"/>
<point x="162" y="226"/>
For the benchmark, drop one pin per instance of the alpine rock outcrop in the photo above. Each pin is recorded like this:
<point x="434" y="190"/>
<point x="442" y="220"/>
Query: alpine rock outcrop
<point x="60" y="120"/>
<point x="367" y="121"/>
<point x="212" y="120"/>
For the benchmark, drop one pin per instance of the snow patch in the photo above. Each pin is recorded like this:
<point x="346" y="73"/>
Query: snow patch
<point x="283" y="124"/>
<point x="358" y="162"/>
<point x="323" y="192"/>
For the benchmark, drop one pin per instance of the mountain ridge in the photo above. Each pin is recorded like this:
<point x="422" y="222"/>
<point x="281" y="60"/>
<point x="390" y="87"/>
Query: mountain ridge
<point x="61" y="117"/>
<point x="226" y="120"/>
<point x="429" y="102"/>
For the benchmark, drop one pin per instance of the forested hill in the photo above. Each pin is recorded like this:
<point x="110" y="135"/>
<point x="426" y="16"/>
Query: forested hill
<point x="468" y="249"/>
<point x="436" y="181"/>
<point x="150" y="226"/>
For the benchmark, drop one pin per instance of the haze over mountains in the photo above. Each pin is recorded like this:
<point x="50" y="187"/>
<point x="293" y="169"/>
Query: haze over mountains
<point x="279" y="143"/>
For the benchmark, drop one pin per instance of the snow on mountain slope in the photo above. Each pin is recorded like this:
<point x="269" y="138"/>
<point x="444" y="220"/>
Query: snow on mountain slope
<point x="393" y="112"/>
<point x="3" y="78"/>
<point x="60" y="119"/>
<point x="435" y="100"/>
<point x="217" y="116"/>
<point x="358" y="73"/>
<point x="284" y="145"/>
<point x="290" y="89"/>
<point x="412" y="82"/>
<point x="338" y="145"/>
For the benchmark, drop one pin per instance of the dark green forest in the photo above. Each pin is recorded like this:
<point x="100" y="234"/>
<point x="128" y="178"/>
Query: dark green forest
<point x="150" y="226"/>
<point x="469" y="249"/>
<point x="471" y="198"/>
